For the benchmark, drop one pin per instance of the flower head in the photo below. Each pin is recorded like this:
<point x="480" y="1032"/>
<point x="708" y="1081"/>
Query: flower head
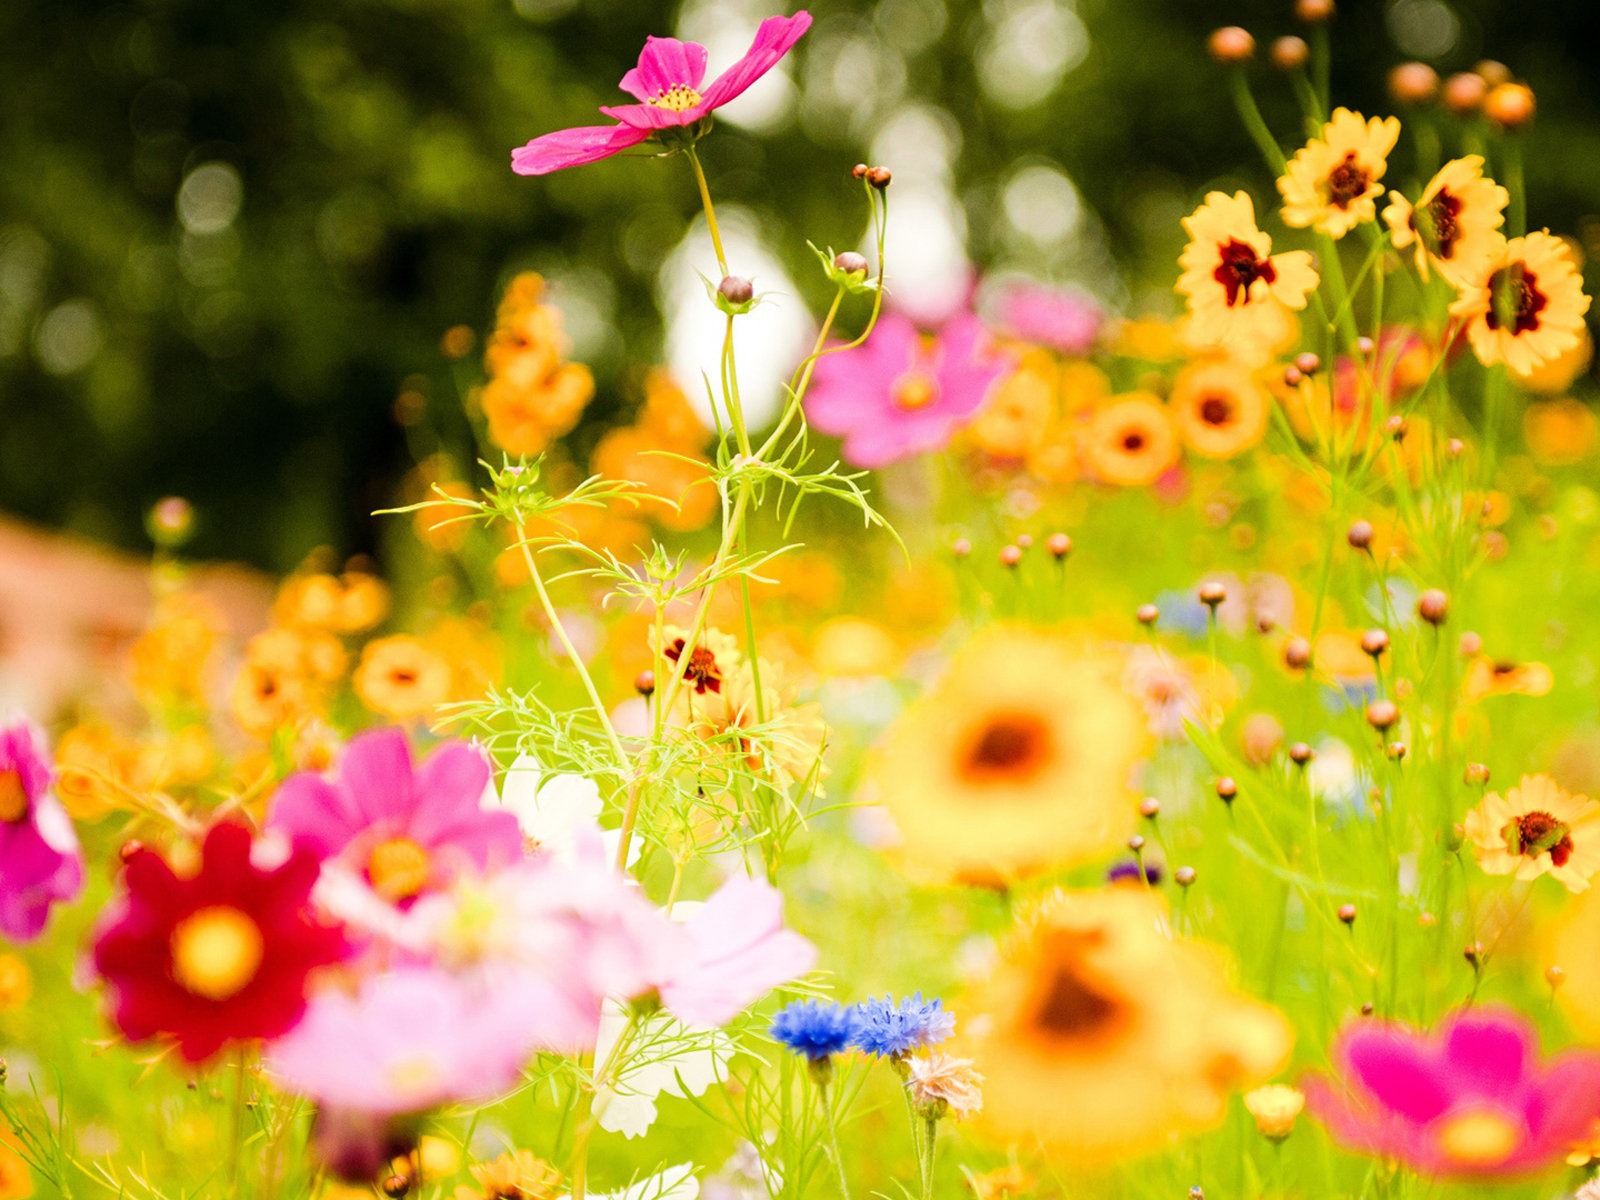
<point x="669" y="83"/>
<point x="1275" y="1107"/>
<point x="899" y="393"/>
<point x="1455" y="223"/>
<point x="1062" y="319"/>
<point x="1219" y="409"/>
<point x="885" y="1029"/>
<point x="1131" y="442"/>
<point x="1235" y="285"/>
<point x="40" y="863"/>
<point x="1536" y="829"/>
<point x="1469" y="1099"/>
<point x="1524" y="304"/>
<point x="815" y="1028"/>
<point x="400" y="828"/>
<point x="1333" y="182"/>
<point x="217" y="955"/>
<point x="941" y="1083"/>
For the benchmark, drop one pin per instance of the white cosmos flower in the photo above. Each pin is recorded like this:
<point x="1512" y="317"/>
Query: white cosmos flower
<point x="663" y="1058"/>
<point x="552" y="808"/>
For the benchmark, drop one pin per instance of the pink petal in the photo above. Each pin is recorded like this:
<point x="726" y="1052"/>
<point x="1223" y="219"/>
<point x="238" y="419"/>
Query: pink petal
<point x="773" y="40"/>
<point x="665" y="63"/>
<point x="449" y="785"/>
<point x="315" y="814"/>
<point x="574" y="147"/>
<point x="739" y="952"/>
<point x="1400" y="1072"/>
<point x="651" y="116"/>
<point x="1565" y="1101"/>
<point x="375" y="769"/>
<point x="1489" y="1054"/>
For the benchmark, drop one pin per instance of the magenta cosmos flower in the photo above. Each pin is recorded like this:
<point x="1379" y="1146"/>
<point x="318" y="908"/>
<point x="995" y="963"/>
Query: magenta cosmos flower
<point x="1061" y="319"/>
<point x="1471" y="1099"/>
<point x="669" y="82"/>
<point x="40" y="862"/>
<point x="899" y="392"/>
<point x="400" y="829"/>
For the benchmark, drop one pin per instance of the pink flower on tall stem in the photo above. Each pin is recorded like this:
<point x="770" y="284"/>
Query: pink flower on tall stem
<point x="401" y="829"/>
<point x="1469" y="1100"/>
<point x="40" y="863"/>
<point x="669" y="83"/>
<point x="900" y="393"/>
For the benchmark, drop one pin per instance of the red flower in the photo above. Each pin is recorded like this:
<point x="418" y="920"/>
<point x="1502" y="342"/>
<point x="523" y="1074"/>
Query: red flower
<point x="217" y="955"/>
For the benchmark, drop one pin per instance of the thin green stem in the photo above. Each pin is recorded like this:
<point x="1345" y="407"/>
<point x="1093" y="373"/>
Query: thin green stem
<point x="711" y="212"/>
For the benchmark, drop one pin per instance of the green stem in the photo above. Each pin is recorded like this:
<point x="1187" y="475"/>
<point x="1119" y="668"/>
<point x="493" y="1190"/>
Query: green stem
<point x="711" y="212"/>
<point x="1250" y="114"/>
<point x="830" y="1119"/>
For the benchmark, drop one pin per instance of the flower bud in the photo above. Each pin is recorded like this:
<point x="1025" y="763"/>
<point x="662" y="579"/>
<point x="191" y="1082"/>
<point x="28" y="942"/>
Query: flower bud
<point x="1347" y="913"/>
<point x="851" y="263"/>
<point x="1010" y="556"/>
<point x="1307" y="363"/>
<point x="1413" y="83"/>
<point x="1227" y="789"/>
<point x="1025" y="540"/>
<point x="1476" y="774"/>
<point x="859" y="171"/>
<point x="1290" y="53"/>
<point x="644" y="682"/>
<point x="1492" y="72"/>
<point x="1396" y="427"/>
<point x="1381" y="714"/>
<point x="1359" y="535"/>
<point x="1374" y="642"/>
<point x="1510" y="105"/>
<point x="1184" y="877"/>
<point x="396" y="1186"/>
<point x="1293" y="376"/>
<point x="1474" y="953"/>
<point x="1455" y="447"/>
<point x="1555" y="976"/>
<point x="1314" y="12"/>
<point x="1433" y="606"/>
<point x="1059" y="545"/>
<point x="879" y="177"/>
<point x="1148" y="614"/>
<point x="170" y="522"/>
<point x="1364" y="345"/>
<point x="961" y="547"/>
<point x="1136" y="843"/>
<point x="1366" y="1008"/>
<point x="1150" y="808"/>
<point x="1212" y="594"/>
<point x="1470" y="645"/>
<point x="1464" y="93"/>
<point x="736" y="290"/>
<point x="1297" y="654"/>
<point x="1395" y="750"/>
<point x="1300" y="754"/>
<point x="1231" y="44"/>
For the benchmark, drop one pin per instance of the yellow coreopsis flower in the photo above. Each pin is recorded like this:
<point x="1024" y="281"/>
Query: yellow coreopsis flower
<point x="1331" y="184"/>
<point x="1219" y="408"/>
<point x="1524" y="305"/>
<point x="1455" y="223"/>
<point x="1537" y="828"/>
<point x="1231" y="277"/>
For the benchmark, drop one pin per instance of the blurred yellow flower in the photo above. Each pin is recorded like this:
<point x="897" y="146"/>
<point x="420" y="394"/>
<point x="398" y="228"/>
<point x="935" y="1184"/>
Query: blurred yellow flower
<point x="1019" y="411"/>
<point x="1535" y="829"/>
<point x="1219" y="409"/>
<point x="519" y="1175"/>
<point x="1131" y="442"/>
<point x="1455" y="224"/>
<point x="170" y="661"/>
<point x="1275" y="1108"/>
<point x="16" y="982"/>
<point x="1019" y="758"/>
<point x="1231" y="277"/>
<point x="1496" y="677"/>
<point x="854" y="646"/>
<point x="1560" y="432"/>
<point x="1102" y="1036"/>
<point x="402" y="677"/>
<point x="1524" y="305"/>
<point x="1332" y="182"/>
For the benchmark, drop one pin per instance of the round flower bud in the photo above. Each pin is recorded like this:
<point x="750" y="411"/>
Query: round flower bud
<point x="1555" y="976"/>
<point x="1212" y="594"/>
<point x="1509" y="105"/>
<point x="859" y="171"/>
<point x="1433" y="606"/>
<point x="1364" y="345"/>
<point x="879" y="177"/>
<point x="1374" y="642"/>
<point x="1231" y="44"/>
<point x="1476" y="774"/>
<point x="1359" y="535"/>
<point x="1413" y="83"/>
<point x="129" y="848"/>
<point x="1300" y="754"/>
<point x="1366" y="1008"/>
<point x="1196" y="1194"/>
<point x="1148" y="614"/>
<point x="851" y="263"/>
<point x="736" y="289"/>
<point x="1227" y="789"/>
<point x="1396" y="428"/>
<point x="1059" y="545"/>
<point x="1297" y="654"/>
<point x="1492" y="72"/>
<point x="1150" y="808"/>
<point x="170" y="521"/>
<point x="1010" y="556"/>
<point x="1184" y="877"/>
<point x="1307" y="363"/>
<point x="1293" y="376"/>
<point x="644" y="682"/>
<point x="1455" y="447"/>
<point x="1395" y="750"/>
<point x="1382" y="713"/>
<point x="1314" y="12"/>
<point x="1136" y="843"/>
<point x="961" y="547"/>
<point x="396" y="1186"/>
<point x="1464" y="93"/>
<point x="1347" y="913"/>
<point x="1290" y="53"/>
<point x="1025" y="540"/>
<point x="1474" y="953"/>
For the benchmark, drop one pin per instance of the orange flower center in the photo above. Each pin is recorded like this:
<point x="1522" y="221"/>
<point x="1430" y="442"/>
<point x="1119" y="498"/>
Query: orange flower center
<point x="13" y="798"/>
<point x="216" y="952"/>
<point x="1011" y="746"/>
<point x="1215" y="410"/>
<point x="914" y="391"/>
<point x="1535" y="833"/>
<point x="398" y="869"/>
<point x="1478" y="1137"/>
<point x="1069" y="1007"/>
<point x="1515" y="300"/>
<point x="1348" y="182"/>
<point x="678" y="98"/>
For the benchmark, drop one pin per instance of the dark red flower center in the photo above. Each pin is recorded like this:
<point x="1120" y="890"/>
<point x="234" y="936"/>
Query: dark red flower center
<point x="1133" y="441"/>
<point x="1348" y="182"/>
<point x="1535" y="833"/>
<point x="1215" y="410"/>
<point x="1238" y="268"/>
<point x="1438" y="223"/>
<point x="1515" y="300"/>
<point x="701" y="670"/>
<point x="1008" y="746"/>
<point x="1070" y="1007"/>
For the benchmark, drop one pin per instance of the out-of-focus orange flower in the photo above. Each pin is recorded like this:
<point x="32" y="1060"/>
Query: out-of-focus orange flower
<point x="473" y="652"/>
<point x="170" y="660"/>
<point x="1151" y="338"/>
<point x="676" y="490"/>
<point x="1560" y="432"/>
<point x="854" y="646"/>
<point x="16" y="1181"/>
<point x="1494" y="677"/>
<point x="1018" y="412"/>
<point x="99" y="770"/>
<point x="533" y="396"/>
<point x="402" y="677"/>
<point x="16" y="984"/>
<point x="350" y="603"/>
<point x="1219" y="409"/>
<point x="284" y="678"/>
<point x="439" y="527"/>
<point x="1131" y="442"/>
<point x="808" y="578"/>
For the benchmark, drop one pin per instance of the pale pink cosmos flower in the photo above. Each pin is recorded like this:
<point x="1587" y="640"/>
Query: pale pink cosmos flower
<point x="669" y="83"/>
<point x="899" y="393"/>
<point x="401" y="830"/>
<point x="1061" y="319"/>
<point x="1471" y="1099"/>
<point x="40" y="862"/>
<point x="737" y="951"/>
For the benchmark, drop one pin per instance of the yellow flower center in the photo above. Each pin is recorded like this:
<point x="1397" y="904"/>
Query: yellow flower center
<point x="216" y="952"/>
<point x="678" y="98"/>
<point x="13" y="798"/>
<point x="398" y="869"/>
<point x="914" y="391"/>
<point x="1479" y="1137"/>
<point x="412" y="1076"/>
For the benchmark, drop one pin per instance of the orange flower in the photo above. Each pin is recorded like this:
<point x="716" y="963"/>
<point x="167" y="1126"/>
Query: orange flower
<point x="1560" y="432"/>
<point x="1232" y="279"/>
<point x="402" y="678"/>
<point x="532" y="396"/>
<point x="1524" y="307"/>
<point x="1491" y="677"/>
<point x="1220" y="411"/>
<point x="170" y="660"/>
<point x="1332" y="183"/>
<point x="1014" y="419"/>
<point x="1131" y="442"/>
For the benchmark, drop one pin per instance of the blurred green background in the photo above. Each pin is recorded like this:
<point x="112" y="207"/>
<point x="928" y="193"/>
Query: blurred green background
<point x="231" y="231"/>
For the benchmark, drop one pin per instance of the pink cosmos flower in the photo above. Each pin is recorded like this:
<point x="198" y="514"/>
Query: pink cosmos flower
<point x="668" y="82"/>
<point x="399" y="829"/>
<point x="40" y="862"/>
<point x="1061" y="319"/>
<point x="737" y="951"/>
<point x="1472" y="1099"/>
<point x="899" y="393"/>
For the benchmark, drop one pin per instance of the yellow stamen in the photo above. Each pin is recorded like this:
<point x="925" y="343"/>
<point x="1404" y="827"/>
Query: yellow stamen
<point x="679" y="98"/>
<point x="13" y="797"/>
<point x="216" y="952"/>
<point x="398" y="869"/>
<point x="914" y="391"/>
<point x="1479" y="1137"/>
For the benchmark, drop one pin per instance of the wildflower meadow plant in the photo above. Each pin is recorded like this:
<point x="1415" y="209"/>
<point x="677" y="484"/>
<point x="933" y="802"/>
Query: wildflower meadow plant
<point x="1171" y="777"/>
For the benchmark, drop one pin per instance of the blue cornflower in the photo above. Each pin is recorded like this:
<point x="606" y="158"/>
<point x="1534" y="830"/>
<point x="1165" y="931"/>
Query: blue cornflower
<point x="891" y="1030"/>
<point x="1125" y="871"/>
<point x="816" y="1028"/>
